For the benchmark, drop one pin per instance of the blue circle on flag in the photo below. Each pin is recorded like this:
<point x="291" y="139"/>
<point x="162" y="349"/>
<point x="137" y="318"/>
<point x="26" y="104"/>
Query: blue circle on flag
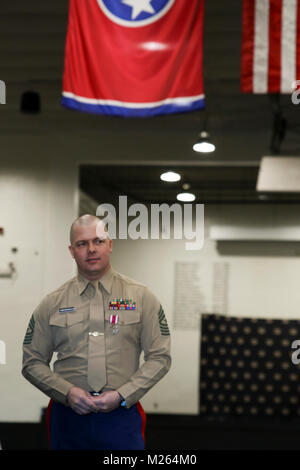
<point x="135" y="12"/>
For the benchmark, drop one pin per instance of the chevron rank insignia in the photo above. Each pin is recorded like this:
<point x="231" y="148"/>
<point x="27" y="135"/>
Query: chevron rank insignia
<point x="30" y="331"/>
<point x="163" y="324"/>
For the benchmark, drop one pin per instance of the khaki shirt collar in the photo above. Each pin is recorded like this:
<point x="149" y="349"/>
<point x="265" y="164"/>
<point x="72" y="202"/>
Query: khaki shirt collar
<point x="105" y="280"/>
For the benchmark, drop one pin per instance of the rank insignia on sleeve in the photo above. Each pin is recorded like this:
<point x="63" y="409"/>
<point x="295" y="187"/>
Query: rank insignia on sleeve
<point x="122" y="304"/>
<point x="30" y="331"/>
<point x="163" y="324"/>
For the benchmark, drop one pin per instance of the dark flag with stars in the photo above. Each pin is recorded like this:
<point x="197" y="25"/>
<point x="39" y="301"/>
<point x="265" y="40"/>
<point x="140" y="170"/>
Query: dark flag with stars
<point x="249" y="367"/>
<point x="134" y="58"/>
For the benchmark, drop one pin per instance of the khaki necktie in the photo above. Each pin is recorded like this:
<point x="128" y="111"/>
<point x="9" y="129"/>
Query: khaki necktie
<point x="96" y="353"/>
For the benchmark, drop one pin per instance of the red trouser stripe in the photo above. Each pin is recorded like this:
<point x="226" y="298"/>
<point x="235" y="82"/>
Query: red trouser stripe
<point x="144" y="418"/>
<point x="48" y="413"/>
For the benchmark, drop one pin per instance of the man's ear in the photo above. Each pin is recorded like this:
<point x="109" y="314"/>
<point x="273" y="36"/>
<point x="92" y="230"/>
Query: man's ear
<point x="71" y="251"/>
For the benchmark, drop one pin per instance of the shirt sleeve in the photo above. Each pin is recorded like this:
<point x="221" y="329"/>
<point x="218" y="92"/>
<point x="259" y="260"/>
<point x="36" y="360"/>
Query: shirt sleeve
<point x="155" y="343"/>
<point x="37" y="354"/>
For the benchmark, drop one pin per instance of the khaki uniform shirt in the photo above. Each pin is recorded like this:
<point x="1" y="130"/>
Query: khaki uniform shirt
<point x="57" y="327"/>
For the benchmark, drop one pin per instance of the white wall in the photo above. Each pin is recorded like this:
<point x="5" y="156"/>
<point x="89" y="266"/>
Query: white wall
<point x="36" y="209"/>
<point x="38" y="201"/>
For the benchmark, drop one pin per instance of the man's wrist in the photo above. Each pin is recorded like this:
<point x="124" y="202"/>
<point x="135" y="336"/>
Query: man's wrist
<point x="122" y="400"/>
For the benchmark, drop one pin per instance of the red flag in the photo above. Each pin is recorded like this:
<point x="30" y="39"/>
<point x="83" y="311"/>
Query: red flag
<point x="270" y="46"/>
<point x="134" y="57"/>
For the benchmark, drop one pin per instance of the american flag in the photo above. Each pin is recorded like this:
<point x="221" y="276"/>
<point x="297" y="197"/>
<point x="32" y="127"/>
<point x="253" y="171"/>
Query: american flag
<point x="270" y="46"/>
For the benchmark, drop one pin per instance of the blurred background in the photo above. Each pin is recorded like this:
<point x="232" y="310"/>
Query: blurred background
<point x="56" y="164"/>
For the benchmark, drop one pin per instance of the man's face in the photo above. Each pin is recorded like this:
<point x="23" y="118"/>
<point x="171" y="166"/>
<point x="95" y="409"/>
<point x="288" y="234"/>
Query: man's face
<point x="91" y="248"/>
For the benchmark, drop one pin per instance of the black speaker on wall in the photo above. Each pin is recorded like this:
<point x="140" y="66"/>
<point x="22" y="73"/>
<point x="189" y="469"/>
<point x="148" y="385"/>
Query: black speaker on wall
<point x="30" y="102"/>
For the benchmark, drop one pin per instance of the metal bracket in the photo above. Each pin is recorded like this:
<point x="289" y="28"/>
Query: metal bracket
<point x="9" y="272"/>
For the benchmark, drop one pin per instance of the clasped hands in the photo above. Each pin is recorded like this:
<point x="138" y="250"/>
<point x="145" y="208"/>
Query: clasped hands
<point x="84" y="403"/>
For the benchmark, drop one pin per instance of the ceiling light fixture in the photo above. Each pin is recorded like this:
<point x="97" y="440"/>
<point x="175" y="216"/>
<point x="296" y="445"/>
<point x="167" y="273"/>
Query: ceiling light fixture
<point x="186" y="197"/>
<point x="170" y="177"/>
<point x="263" y="197"/>
<point x="204" y="144"/>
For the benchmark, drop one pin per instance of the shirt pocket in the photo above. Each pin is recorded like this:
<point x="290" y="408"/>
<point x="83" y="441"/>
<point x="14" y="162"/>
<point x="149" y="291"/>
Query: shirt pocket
<point x="58" y="324"/>
<point x="68" y="330"/>
<point x="128" y="329"/>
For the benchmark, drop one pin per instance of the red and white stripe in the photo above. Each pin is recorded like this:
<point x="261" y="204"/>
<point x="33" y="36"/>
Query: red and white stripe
<point x="270" y="46"/>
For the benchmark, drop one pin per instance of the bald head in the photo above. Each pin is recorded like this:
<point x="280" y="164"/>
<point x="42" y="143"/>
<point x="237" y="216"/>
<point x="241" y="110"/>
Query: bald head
<point x="90" y="246"/>
<point x="85" y="221"/>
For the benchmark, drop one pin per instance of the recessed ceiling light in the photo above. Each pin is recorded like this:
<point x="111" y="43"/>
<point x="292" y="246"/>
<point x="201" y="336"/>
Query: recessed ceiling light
<point x="204" y="147"/>
<point x="186" y="197"/>
<point x="170" y="176"/>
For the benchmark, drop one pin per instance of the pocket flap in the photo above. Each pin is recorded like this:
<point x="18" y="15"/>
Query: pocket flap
<point x="74" y="317"/>
<point x="58" y="319"/>
<point x="126" y="317"/>
<point x="65" y="319"/>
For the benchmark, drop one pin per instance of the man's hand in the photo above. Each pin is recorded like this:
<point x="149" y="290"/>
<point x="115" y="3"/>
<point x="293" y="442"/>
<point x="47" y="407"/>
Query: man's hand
<point x="81" y="401"/>
<point x="107" y="401"/>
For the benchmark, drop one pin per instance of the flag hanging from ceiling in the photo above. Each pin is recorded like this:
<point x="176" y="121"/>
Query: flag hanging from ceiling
<point x="270" y="46"/>
<point x="134" y="58"/>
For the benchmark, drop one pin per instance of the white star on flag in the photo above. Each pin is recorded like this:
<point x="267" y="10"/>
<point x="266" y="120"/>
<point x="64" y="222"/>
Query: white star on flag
<point x="138" y="6"/>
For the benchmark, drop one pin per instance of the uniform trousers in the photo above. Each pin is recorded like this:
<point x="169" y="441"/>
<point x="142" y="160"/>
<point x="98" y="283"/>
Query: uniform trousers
<point x="120" y="429"/>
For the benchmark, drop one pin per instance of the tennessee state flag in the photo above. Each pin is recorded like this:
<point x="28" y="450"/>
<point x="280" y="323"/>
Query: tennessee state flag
<point x="134" y="58"/>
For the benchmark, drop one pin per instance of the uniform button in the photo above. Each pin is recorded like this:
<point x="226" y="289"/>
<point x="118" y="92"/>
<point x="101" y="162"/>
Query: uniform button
<point x="95" y="333"/>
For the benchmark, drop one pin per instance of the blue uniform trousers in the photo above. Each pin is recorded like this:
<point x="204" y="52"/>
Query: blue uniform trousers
<point x="121" y="429"/>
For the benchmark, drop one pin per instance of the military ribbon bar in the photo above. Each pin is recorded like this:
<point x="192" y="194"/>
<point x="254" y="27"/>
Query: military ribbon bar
<point x="122" y="304"/>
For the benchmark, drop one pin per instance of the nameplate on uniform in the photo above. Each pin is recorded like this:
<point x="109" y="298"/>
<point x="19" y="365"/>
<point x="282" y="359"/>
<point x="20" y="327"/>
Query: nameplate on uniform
<point x="67" y="309"/>
<point x="122" y="304"/>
